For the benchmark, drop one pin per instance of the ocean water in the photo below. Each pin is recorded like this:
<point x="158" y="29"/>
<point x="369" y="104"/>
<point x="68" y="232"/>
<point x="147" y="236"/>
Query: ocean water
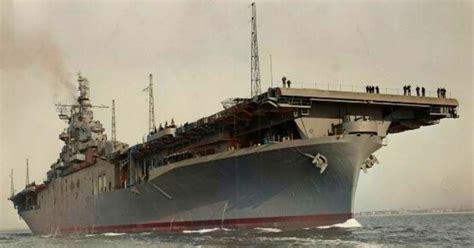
<point x="454" y="229"/>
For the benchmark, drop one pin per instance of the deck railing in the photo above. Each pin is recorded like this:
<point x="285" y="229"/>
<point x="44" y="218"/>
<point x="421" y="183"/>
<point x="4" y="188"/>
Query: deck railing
<point x="362" y="88"/>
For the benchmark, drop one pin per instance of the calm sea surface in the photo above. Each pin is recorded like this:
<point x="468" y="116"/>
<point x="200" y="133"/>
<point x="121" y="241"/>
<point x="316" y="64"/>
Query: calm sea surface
<point x="373" y="231"/>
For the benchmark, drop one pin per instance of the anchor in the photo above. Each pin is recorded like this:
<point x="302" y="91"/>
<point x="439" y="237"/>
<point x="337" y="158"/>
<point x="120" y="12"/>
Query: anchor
<point x="319" y="161"/>
<point x="369" y="162"/>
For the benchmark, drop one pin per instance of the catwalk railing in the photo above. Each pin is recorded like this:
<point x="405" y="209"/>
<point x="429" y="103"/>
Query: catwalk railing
<point x="362" y="89"/>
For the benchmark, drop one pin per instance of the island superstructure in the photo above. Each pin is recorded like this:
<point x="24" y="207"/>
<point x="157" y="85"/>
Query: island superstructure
<point x="285" y="157"/>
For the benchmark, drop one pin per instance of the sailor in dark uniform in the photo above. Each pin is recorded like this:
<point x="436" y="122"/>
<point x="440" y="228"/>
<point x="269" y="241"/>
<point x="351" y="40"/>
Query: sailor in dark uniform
<point x="283" y="79"/>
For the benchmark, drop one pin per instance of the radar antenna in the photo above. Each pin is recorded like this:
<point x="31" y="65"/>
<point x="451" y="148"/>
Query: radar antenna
<point x="255" y="64"/>
<point x="64" y="112"/>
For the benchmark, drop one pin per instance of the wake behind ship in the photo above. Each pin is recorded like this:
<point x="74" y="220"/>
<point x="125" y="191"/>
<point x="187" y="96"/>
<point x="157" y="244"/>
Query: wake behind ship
<point x="285" y="157"/>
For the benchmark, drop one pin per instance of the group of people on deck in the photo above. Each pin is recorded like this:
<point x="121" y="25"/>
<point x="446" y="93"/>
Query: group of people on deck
<point x="441" y="92"/>
<point x="286" y="82"/>
<point x="372" y="89"/>
<point x="419" y="91"/>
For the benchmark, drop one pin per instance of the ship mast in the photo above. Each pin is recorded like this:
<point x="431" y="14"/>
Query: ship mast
<point x="255" y="64"/>
<point x="66" y="111"/>
<point x="271" y="71"/>
<point x="12" y="186"/>
<point x="151" y="106"/>
<point x="83" y="98"/>
<point x="114" y="131"/>
<point x="27" y="173"/>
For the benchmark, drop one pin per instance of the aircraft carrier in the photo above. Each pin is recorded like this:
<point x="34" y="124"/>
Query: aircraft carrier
<point x="285" y="157"/>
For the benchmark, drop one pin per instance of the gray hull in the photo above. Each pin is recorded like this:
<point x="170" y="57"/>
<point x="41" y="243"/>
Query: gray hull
<point x="267" y="186"/>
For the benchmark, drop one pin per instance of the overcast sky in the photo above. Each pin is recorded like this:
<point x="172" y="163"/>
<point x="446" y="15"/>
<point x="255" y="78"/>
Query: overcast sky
<point x="199" y="53"/>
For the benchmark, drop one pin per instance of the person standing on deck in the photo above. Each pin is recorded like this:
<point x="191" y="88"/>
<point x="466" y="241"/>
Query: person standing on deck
<point x="283" y="79"/>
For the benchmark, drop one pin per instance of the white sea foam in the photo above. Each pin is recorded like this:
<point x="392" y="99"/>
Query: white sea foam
<point x="286" y="239"/>
<point x="316" y="242"/>
<point x="272" y="230"/>
<point x="350" y="223"/>
<point x="91" y="235"/>
<point x="206" y="230"/>
<point x="113" y="234"/>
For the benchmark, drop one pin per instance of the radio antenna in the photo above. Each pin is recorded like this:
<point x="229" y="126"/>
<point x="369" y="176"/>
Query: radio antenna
<point x="255" y="64"/>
